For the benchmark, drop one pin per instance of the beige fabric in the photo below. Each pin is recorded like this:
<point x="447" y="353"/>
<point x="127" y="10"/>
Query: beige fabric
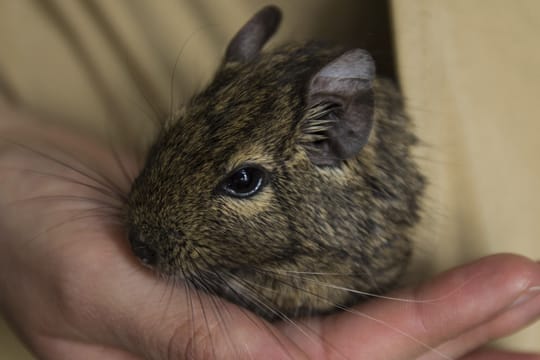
<point x="471" y="74"/>
<point x="469" y="70"/>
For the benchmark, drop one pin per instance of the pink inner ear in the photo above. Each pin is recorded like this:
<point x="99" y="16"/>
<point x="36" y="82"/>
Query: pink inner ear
<point x="346" y="82"/>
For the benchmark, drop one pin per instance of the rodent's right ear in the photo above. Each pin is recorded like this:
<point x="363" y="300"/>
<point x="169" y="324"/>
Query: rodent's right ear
<point x="250" y="39"/>
<point x="340" y="108"/>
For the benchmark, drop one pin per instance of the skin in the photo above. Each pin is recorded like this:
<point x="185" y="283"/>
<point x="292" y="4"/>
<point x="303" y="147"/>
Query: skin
<point x="76" y="291"/>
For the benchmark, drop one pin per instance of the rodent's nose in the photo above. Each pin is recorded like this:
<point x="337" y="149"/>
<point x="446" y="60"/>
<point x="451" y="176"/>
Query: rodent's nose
<point x="140" y="249"/>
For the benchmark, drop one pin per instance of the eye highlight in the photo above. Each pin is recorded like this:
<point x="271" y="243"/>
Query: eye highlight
<point x="243" y="182"/>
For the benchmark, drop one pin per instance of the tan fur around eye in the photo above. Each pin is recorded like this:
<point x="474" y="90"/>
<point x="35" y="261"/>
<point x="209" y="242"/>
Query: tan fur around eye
<point x="247" y="207"/>
<point x="254" y="155"/>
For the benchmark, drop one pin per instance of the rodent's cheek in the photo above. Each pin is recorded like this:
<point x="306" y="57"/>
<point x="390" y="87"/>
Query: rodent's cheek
<point x="260" y="202"/>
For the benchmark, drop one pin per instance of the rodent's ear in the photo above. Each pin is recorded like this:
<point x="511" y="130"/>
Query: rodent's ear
<point x="340" y="108"/>
<point x="250" y="39"/>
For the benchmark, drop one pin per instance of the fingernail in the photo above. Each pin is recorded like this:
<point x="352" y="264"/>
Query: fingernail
<point x="527" y="295"/>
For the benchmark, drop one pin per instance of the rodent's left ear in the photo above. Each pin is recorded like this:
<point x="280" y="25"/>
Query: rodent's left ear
<point x="340" y="108"/>
<point x="250" y="39"/>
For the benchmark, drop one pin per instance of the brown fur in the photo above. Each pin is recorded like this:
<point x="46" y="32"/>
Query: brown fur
<point x="312" y="228"/>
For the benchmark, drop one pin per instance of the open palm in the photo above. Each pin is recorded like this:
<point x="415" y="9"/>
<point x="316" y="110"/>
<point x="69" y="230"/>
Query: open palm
<point x="71" y="288"/>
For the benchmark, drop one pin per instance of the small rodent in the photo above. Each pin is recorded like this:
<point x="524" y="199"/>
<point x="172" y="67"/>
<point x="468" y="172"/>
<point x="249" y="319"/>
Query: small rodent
<point x="285" y="183"/>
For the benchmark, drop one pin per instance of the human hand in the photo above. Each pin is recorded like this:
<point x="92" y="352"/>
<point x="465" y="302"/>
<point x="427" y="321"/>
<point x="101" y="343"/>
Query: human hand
<point x="71" y="288"/>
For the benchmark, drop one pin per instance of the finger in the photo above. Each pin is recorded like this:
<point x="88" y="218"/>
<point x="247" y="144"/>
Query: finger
<point x="499" y="355"/>
<point x="516" y="317"/>
<point x="445" y="307"/>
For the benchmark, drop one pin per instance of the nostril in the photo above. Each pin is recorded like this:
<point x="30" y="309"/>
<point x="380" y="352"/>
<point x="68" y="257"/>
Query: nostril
<point x="141" y="249"/>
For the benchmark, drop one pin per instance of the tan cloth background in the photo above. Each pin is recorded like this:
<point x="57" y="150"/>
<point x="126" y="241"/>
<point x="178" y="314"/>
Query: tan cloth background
<point x="469" y="70"/>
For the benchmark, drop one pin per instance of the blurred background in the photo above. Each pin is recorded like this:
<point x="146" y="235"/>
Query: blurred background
<point x="469" y="72"/>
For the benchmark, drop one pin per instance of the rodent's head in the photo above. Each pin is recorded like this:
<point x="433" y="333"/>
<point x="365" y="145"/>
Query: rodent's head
<point x="288" y="177"/>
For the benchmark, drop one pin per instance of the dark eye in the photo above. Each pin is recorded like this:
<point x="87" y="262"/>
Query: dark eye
<point x="243" y="182"/>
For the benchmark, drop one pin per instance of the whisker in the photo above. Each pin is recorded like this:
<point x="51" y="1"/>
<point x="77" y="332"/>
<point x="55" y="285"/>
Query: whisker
<point x="175" y="66"/>
<point x="371" y="318"/>
<point x="203" y="283"/>
<point x="100" y="179"/>
<point x="127" y="176"/>
<point x="192" y="311"/>
<point x="104" y="191"/>
<point x="365" y="293"/>
<point x="252" y="295"/>
<point x="221" y="322"/>
<point x="206" y="321"/>
<point x="102" y="217"/>
<point x="399" y="331"/>
<point x="74" y="198"/>
<point x="249" y="314"/>
<point x="289" y="320"/>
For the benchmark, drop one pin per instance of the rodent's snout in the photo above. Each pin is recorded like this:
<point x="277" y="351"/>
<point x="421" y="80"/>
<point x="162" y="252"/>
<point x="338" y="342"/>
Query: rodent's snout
<point x="143" y="251"/>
